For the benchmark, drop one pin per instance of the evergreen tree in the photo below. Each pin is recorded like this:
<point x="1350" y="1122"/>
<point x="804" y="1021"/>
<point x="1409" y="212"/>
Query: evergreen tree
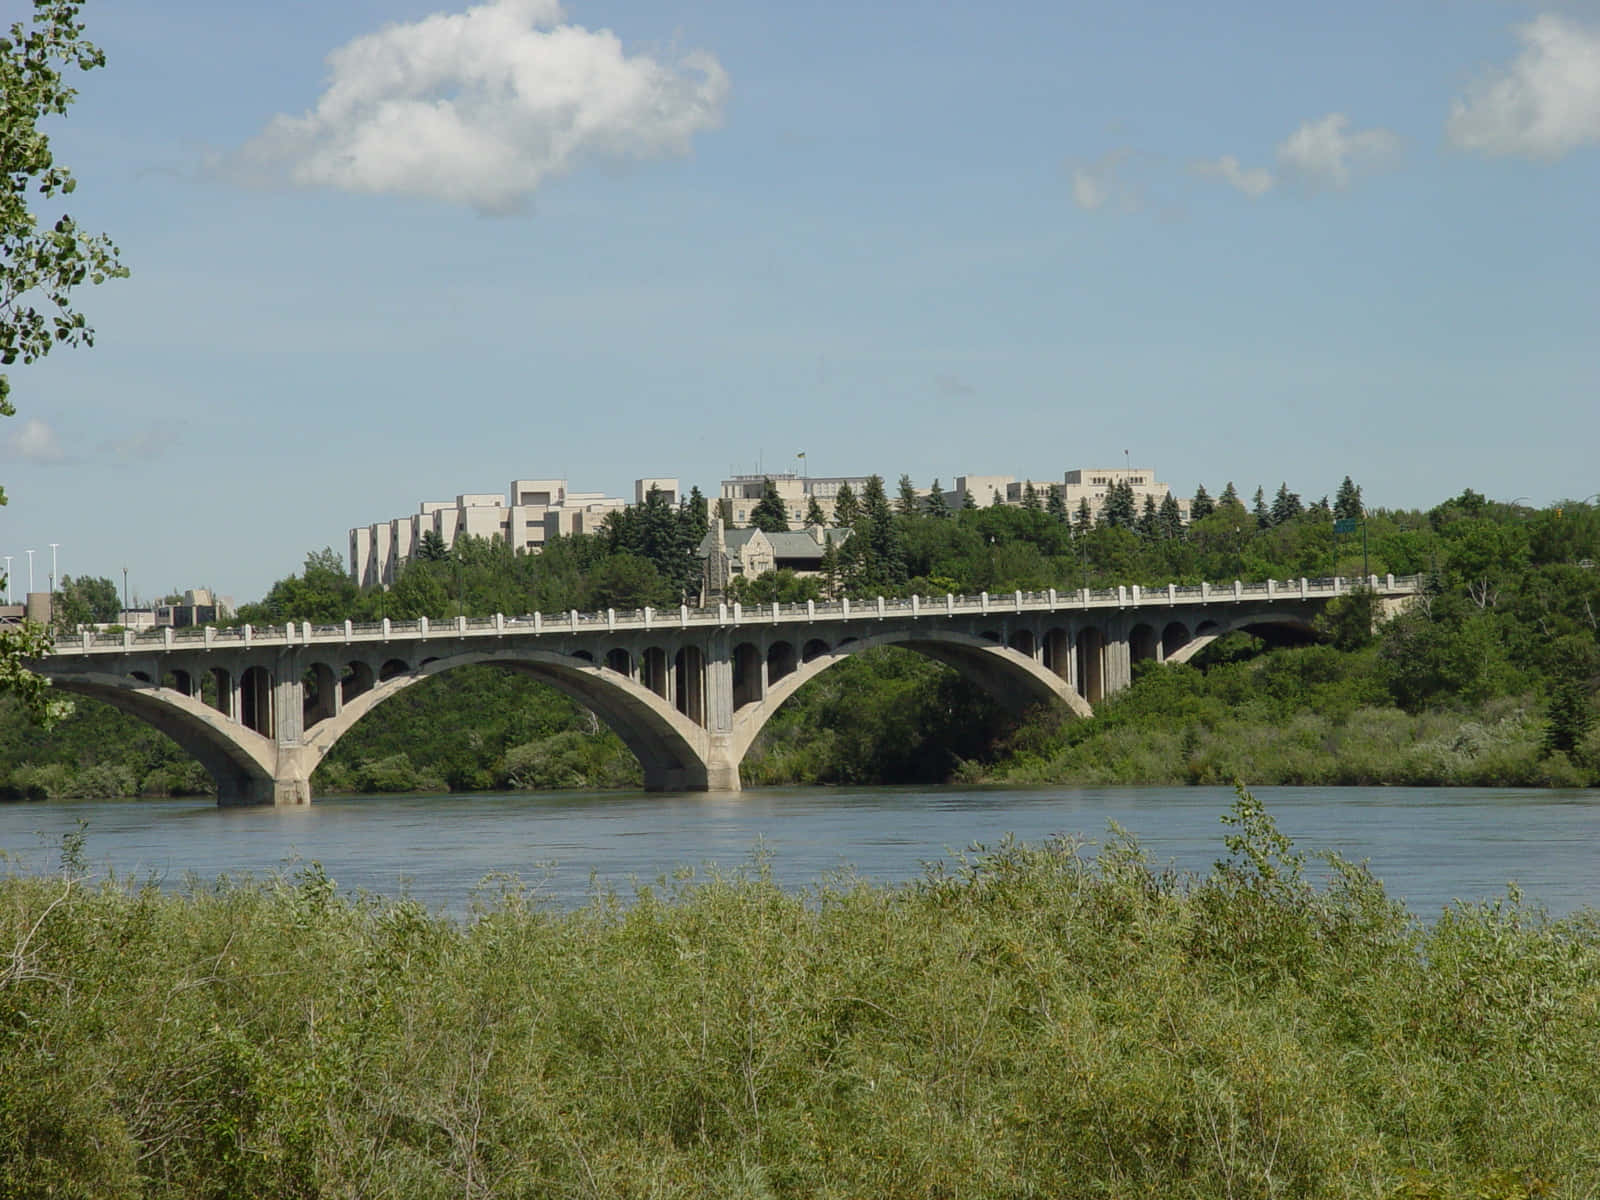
<point x="1229" y="495"/>
<point x="968" y="501"/>
<point x="1347" y="501"/>
<point x="1030" y="497"/>
<point x="1084" y="520"/>
<point x="1202" y="506"/>
<point x="1120" y="509"/>
<point x="814" y="513"/>
<point x="1259" y="509"/>
<point x="995" y="499"/>
<point x="937" y="507"/>
<point x="770" y="515"/>
<point x="432" y="548"/>
<point x="1147" y="524"/>
<point x="1169" y="522"/>
<point x="846" y="508"/>
<point x="1286" y="505"/>
<point x="697" y="513"/>
<point x="883" y="562"/>
<point x="725" y="512"/>
<point x="1056" y="506"/>
<point x="908" y="504"/>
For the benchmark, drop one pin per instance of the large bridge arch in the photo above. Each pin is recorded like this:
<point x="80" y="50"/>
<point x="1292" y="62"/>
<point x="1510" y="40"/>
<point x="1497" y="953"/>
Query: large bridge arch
<point x="670" y="747"/>
<point x="1012" y="678"/>
<point x="241" y="761"/>
<point x="1209" y="631"/>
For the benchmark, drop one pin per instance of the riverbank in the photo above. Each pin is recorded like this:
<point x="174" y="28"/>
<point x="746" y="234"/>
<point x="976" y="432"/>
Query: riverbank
<point x="1024" y="1023"/>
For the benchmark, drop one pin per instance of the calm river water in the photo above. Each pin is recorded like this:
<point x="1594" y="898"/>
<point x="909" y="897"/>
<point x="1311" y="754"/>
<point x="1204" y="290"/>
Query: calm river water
<point x="1429" y="845"/>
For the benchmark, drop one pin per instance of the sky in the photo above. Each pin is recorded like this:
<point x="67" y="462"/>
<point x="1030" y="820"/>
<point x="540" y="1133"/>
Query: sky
<point x="387" y="251"/>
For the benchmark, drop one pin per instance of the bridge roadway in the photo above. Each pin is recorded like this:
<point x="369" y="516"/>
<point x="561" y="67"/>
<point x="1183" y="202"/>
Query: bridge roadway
<point x="687" y="690"/>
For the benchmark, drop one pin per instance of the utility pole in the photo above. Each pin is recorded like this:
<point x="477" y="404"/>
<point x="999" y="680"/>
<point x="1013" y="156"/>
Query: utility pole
<point x="8" y="578"/>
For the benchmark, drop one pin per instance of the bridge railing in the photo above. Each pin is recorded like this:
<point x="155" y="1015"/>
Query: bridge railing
<point x="298" y="633"/>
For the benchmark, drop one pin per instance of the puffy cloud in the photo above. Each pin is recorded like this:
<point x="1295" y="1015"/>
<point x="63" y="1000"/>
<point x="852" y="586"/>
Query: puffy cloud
<point x="481" y="107"/>
<point x="1544" y="104"/>
<point x="1252" y="181"/>
<point x="1094" y="185"/>
<point x="36" y="442"/>
<point x="1325" y="151"/>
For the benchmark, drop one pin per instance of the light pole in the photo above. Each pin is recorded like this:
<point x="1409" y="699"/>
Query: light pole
<point x="124" y="595"/>
<point x="30" y="573"/>
<point x="8" y="578"/>
<point x="53" y="546"/>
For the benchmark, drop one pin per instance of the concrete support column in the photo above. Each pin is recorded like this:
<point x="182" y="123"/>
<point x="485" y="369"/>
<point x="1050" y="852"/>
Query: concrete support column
<point x="722" y="771"/>
<point x="1119" y="662"/>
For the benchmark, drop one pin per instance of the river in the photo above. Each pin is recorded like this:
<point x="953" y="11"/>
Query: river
<point x="1429" y="845"/>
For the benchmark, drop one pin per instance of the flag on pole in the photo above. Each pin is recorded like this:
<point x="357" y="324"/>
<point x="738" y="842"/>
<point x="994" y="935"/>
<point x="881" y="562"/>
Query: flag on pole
<point x="802" y="454"/>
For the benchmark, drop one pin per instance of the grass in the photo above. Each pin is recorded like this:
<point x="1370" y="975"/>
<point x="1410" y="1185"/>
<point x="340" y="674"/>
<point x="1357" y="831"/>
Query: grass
<point x="1021" y="1023"/>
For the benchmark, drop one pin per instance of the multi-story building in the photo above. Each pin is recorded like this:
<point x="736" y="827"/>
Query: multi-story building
<point x="1092" y="484"/>
<point x="743" y="493"/>
<point x="530" y="513"/>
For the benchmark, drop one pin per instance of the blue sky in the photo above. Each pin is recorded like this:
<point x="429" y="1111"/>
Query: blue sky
<point x="385" y="251"/>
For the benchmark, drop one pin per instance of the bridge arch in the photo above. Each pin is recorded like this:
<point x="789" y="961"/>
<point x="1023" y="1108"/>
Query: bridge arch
<point x="670" y="746"/>
<point x="1012" y="678"/>
<point x="1209" y="631"/>
<point x="240" y="760"/>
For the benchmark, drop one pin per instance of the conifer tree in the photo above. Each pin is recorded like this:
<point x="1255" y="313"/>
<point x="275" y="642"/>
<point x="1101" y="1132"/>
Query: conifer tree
<point x="814" y="514"/>
<point x="1169" y="522"/>
<point x="968" y="501"/>
<point x="725" y="512"/>
<point x="1030" y="497"/>
<point x="846" y="508"/>
<point x="1259" y="509"/>
<point x="770" y="515"/>
<point x="1229" y="495"/>
<point x="908" y="504"/>
<point x="1347" y="501"/>
<point x="1202" y="506"/>
<point x="1286" y="505"/>
<point x="1084" y="520"/>
<point x="1146" y="525"/>
<point x="1056" y="506"/>
<point x="937" y="506"/>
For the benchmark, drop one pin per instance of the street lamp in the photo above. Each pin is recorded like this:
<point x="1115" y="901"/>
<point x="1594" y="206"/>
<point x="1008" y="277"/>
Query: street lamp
<point x="53" y="546"/>
<point x="30" y="572"/>
<point x="124" y="595"/>
<point x="8" y="578"/>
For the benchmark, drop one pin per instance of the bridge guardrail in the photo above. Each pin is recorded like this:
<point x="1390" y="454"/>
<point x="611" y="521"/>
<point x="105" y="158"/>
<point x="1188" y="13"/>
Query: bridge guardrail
<point x="91" y="642"/>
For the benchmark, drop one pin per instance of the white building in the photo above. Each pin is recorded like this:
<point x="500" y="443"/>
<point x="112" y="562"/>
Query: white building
<point x="529" y="513"/>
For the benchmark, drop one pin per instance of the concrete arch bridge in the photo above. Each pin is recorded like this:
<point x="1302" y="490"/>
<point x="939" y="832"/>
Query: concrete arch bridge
<point x="688" y="690"/>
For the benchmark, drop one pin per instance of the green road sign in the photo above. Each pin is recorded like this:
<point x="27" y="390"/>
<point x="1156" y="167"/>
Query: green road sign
<point x="1345" y="525"/>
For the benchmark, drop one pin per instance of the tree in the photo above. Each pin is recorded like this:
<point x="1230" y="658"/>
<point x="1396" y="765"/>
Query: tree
<point x="1259" y="509"/>
<point x="938" y="508"/>
<point x="39" y="269"/>
<point x="85" y="601"/>
<point x="770" y="515"/>
<point x="725" y="512"/>
<point x="1030" y="497"/>
<point x="1347" y="501"/>
<point x="1202" y="506"/>
<point x="814" y="513"/>
<point x="968" y="500"/>
<point x="1286" y="505"/>
<point x="1169" y="521"/>
<point x="846" y="509"/>
<point x="432" y="548"/>
<point x="1084" y="520"/>
<point x="1230" y="495"/>
<point x="1119" y="510"/>
<point x="1056" y="505"/>
<point x="1147" y="525"/>
<point x="908" y="504"/>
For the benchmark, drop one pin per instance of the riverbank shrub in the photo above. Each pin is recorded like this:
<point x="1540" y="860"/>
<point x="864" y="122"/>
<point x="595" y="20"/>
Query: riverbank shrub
<point x="1020" y="1021"/>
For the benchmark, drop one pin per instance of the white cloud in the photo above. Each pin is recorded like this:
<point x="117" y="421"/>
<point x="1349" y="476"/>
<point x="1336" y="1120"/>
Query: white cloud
<point x="481" y="107"/>
<point x="1324" y="151"/>
<point x="1544" y="104"/>
<point x="1094" y="185"/>
<point x="1252" y="181"/>
<point x="36" y="442"/>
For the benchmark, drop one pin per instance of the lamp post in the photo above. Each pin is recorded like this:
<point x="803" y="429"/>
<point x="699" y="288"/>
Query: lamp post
<point x="124" y="595"/>
<point x="30" y="572"/>
<point x="53" y="546"/>
<point x="8" y="578"/>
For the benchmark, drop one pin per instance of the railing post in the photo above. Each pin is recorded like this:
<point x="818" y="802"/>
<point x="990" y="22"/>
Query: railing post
<point x="1205" y="590"/>
<point x="385" y="630"/>
<point x="305" y="630"/>
<point x="211" y="636"/>
<point x="774" y="612"/>
<point x="1172" y="593"/>
<point x="722" y="613"/>
<point x="572" y="617"/>
<point x="127" y="637"/>
<point x="1304" y="587"/>
<point x="1122" y="595"/>
<point x="422" y="626"/>
<point x="1238" y="589"/>
<point x="611" y="619"/>
<point x="1389" y="581"/>
<point x="738" y="612"/>
<point x="349" y="629"/>
<point x="1084" y="592"/>
<point x="916" y="606"/>
<point x="1052" y="594"/>
<point x="983" y="601"/>
<point x="84" y="636"/>
<point x="683" y="616"/>
<point x="811" y="610"/>
<point x="949" y="605"/>
<point x="1272" y="588"/>
<point x="844" y="606"/>
<point x="880" y="608"/>
<point x="499" y="622"/>
<point x="1136" y="593"/>
<point x="1017" y="599"/>
<point x="649" y="617"/>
